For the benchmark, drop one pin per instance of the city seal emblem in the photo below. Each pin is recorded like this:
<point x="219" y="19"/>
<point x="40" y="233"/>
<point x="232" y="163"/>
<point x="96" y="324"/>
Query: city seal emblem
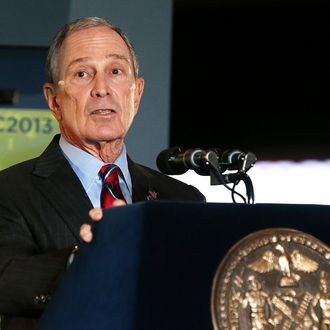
<point x="277" y="278"/>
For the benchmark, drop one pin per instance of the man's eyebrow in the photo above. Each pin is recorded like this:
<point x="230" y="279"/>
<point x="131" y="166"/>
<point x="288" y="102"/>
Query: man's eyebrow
<point x="118" y="56"/>
<point x="87" y="59"/>
<point x="78" y="60"/>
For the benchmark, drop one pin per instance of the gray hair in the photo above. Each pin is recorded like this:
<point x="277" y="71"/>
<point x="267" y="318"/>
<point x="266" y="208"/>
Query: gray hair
<point x="52" y="59"/>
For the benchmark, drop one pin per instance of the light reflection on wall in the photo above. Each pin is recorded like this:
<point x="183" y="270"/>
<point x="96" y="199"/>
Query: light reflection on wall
<point x="304" y="182"/>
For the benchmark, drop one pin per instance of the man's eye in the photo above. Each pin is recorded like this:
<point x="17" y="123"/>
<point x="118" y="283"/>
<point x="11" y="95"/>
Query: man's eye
<point x="81" y="74"/>
<point x="115" y="71"/>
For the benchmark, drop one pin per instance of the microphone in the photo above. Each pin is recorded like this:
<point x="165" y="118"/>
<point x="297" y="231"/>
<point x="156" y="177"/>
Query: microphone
<point x="235" y="160"/>
<point x="176" y="160"/>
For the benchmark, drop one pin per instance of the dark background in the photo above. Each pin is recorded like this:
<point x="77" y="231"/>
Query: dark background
<point x="252" y="75"/>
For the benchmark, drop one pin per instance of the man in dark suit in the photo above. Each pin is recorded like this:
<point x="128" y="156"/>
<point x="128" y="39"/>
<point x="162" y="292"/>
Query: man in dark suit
<point x="93" y="89"/>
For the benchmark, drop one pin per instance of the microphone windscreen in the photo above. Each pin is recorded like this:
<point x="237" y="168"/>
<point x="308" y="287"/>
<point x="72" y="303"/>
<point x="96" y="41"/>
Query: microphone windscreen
<point x="166" y="166"/>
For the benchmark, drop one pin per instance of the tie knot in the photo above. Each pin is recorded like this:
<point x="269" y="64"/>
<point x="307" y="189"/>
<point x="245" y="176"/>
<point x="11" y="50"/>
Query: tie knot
<point x="109" y="173"/>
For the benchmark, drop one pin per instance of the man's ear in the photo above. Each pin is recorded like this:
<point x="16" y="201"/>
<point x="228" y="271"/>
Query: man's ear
<point x="50" y="96"/>
<point x="138" y="93"/>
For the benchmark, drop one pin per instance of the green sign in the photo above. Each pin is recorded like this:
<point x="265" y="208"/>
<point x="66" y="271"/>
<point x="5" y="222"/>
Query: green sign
<point x="24" y="133"/>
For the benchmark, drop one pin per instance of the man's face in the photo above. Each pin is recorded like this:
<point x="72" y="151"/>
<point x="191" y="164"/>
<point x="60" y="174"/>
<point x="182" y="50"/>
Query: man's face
<point x="97" y="95"/>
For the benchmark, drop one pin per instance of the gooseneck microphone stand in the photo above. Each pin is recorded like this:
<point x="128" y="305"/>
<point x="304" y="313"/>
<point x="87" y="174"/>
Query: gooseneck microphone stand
<point x="218" y="178"/>
<point x="217" y="164"/>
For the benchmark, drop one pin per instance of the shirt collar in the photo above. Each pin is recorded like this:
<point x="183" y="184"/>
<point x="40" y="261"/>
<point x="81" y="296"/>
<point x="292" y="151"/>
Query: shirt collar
<point x="87" y="167"/>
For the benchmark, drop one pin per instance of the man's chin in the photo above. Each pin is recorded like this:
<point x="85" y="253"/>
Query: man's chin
<point x="106" y="138"/>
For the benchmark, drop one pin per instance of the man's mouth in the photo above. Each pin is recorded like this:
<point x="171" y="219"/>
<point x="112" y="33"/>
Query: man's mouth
<point x="102" y="111"/>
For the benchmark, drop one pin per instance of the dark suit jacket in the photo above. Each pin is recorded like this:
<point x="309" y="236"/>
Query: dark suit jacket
<point x="42" y="206"/>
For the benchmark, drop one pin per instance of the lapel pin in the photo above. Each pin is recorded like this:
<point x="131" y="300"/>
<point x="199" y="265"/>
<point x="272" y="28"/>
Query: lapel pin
<point x="152" y="195"/>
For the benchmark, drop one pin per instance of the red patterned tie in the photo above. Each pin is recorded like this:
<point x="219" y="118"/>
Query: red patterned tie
<point x="110" y="185"/>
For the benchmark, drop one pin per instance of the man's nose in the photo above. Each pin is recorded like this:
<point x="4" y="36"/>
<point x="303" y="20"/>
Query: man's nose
<point x="101" y="86"/>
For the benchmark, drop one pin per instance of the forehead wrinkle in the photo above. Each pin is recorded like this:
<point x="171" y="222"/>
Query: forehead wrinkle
<point x="89" y="59"/>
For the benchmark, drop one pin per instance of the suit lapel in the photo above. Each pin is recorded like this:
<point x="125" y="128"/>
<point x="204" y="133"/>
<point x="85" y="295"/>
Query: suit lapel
<point x="142" y="183"/>
<point x="56" y="180"/>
